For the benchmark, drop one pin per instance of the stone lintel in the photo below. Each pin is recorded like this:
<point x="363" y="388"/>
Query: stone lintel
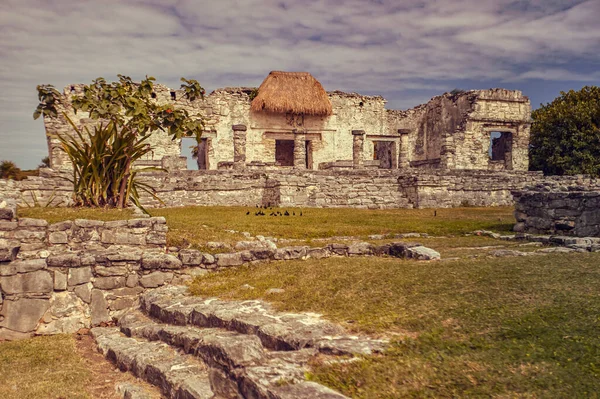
<point x="358" y="132"/>
<point x="404" y="131"/>
<point x="239" y="128"/>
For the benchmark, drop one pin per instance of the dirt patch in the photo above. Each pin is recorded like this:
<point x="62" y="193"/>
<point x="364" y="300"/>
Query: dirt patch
<point x="104" y="375"/>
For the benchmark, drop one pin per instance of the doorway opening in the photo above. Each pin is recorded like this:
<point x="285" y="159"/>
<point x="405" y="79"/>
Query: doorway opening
<point x="500" y="149"/>
<point x="384" y="152"/>
<point x="284" y="152"/>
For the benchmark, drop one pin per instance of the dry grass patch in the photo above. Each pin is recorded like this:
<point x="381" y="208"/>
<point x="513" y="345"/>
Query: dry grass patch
<point x="42" y="367"/>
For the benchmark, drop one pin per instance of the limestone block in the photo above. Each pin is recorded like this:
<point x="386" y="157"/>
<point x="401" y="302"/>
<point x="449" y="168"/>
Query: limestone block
<point x="112" y="270"/>
<point x="34" y="282"/>
<point x="8" y="226"/>
<point x="58" y="237"/>
<point x="87" y="224"/>
<point x="60" y="281"/>
<point x="79" y="276"/>
<point x="190" y="257"/>
<point x="9" y="253"/>
<point x="64" y="260"/>
<point x="109" y="283"/>
<point x="24" y="314"/>
<point x="227" y="260"/>
<point x="28" y="222"/>
<point x="99" y="308"/>
<point x="156" y="279"/>
<point x="60" y="226"/>
<point x="160" y="261"/>
<point x="84" y="292"/>
<point x="422" y="253"/>
<point x="132" y="280"/>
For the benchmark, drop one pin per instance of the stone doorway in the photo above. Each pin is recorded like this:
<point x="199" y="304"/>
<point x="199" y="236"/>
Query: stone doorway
<point x="188" y="150"/>
<point x="385" y="153"/>
<point x="500" y="150"/>
<point x="284" y="152"/>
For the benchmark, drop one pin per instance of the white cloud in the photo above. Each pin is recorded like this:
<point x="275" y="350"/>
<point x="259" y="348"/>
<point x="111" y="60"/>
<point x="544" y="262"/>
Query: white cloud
<point x="374" y="46"/>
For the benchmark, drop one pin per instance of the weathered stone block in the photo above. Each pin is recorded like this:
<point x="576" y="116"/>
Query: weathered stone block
<point x="190" y="257"/>
<point x="99" y="308"/>
<point x="88" y="224"/>
<point x="9" y="253"/>
<point x="227" y="260"/>
<point x="60" y="281"/>
<point x="58" y="237"/>
<point x="35" y="282"/>
<point x="64" y="260"/>
<point x="132" y="280"/>
<point x="107" y="271"/>
<point x="79" y="275"/>
<point x="8" y="226"/>
<point x="156" y="279"/>
<point x="160" y="261"/>
<point x="109" y="283"/>
<point x="28" y="222"/>
<point x="84" y="292"/>
<point x="24" y="314"/>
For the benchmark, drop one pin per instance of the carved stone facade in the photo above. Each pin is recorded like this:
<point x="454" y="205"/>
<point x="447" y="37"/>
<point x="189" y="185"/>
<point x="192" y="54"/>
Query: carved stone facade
<point x="449" y="132"/>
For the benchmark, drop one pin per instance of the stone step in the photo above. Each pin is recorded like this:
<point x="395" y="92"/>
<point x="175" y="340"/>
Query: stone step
<point x="178" y="376"/>
<point x="238" y="364"/>
<point x="276" y="330"/>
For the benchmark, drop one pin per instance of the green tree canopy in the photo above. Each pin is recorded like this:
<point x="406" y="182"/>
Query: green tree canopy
<point x="565" y="135"/>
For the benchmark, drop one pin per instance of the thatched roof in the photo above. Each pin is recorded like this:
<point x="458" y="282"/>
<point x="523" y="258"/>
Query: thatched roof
<point x="292" y="92"/>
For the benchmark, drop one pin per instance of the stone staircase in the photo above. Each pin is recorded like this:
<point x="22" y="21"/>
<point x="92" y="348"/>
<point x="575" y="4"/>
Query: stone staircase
<point x="192" y="347"/>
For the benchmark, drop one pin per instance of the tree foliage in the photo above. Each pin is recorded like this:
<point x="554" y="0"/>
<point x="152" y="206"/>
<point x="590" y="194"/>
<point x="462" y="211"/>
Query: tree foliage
<point x="9" y="170"/>
<point x="127" y="113"/>
<point x="565" y="135"/>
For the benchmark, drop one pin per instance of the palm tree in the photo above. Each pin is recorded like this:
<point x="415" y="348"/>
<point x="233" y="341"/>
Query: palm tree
<point x="8" y="170"/>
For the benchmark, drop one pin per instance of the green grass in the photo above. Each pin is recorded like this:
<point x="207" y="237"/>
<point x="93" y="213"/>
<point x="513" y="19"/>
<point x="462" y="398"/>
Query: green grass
<point x="42" y="367"/>
<point x="55" y="215"/>
<point x="198" y="225"/>
<point x="510" y="327"/>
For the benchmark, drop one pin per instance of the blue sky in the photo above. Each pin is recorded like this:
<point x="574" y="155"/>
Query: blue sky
<point x="406" y="51"/>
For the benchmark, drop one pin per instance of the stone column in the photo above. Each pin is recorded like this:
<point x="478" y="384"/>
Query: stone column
<point x="358" y="143"/>
<point x="447" y="152"/>
<point x="239" y="146"/>
<point x="299" y="149"/>
<point x="403" y="162"/>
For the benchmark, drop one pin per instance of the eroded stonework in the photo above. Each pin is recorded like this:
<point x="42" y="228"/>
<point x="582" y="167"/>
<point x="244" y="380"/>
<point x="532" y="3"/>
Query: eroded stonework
<point x="452" y="131"/>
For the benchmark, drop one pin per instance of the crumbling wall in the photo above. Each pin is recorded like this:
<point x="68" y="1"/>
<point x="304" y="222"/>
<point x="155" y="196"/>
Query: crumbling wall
<point x="570" y="208"/>
<point x="494" y="110"/>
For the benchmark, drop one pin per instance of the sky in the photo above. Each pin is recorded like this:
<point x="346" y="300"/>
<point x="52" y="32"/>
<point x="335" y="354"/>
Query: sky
<point x="405" y="50"/>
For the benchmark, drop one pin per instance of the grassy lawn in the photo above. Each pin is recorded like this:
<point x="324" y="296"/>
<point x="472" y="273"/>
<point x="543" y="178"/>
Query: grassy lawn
<point x="511" y="327"/>
<point x="198" y="225"/>
<point x="43" y="367"/>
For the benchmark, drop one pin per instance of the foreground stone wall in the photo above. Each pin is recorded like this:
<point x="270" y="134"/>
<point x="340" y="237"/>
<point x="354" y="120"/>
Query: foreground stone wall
<point x="559" y="208"/>
<point x="60" y="277"/>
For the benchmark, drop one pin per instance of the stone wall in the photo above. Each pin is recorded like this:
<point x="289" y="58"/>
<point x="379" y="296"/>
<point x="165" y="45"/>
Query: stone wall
<point x="60" y="277"/>
<point x="559" y="208"/>
<point x="364" y="188"/>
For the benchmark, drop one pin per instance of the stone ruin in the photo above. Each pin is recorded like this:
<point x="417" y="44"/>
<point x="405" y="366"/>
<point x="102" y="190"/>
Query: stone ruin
<point x="477" y="129"/>
<point x="554" y="207"/>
